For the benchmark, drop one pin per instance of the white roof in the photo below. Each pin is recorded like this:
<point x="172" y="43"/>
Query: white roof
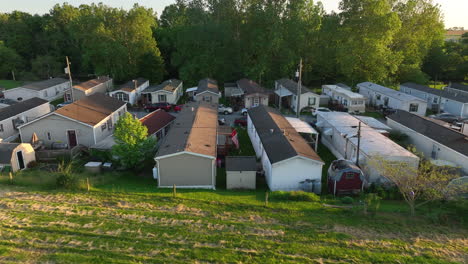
<point x="389" y="92"/>
<point x="301" y="126"/>
<point x="372" y="142"/>
<point x="344" y="91"/>
<point x="191" y="89"/>
<point x="374" y="123"/>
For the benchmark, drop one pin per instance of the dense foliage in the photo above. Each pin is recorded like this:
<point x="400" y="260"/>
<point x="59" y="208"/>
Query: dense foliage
<point x="386" y="41"/>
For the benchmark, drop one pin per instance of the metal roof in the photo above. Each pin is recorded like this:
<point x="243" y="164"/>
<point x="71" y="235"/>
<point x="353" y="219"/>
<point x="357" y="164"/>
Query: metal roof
<point x="346" y="92"/>
<point x="41" y="85"/>
<point x="452" y="95"/>
<point x="301" y="126"/>
<point x="168" y="85"/>
<point x="372" y="142"/>
<point x="208" y="85"/>
<point x="437" y="132"/>
<point x="21" y="107"/>
<point x="389" y="92"/>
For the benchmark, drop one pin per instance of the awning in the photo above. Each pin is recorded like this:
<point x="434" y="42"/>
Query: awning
<point x="301" y="126"/>
<point x="192" y="89"/>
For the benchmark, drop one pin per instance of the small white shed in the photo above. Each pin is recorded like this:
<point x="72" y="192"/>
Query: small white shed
<point x="241" y="172"/>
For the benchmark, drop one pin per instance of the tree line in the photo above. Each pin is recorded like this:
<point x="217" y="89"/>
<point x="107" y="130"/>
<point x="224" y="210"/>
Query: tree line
<point x="385" y="41"/>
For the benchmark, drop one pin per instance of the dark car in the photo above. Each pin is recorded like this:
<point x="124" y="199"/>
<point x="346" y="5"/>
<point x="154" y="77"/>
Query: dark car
<point x="153" y="107"/>
<point x="446" y="117"/>
<point x="241" y="121"/>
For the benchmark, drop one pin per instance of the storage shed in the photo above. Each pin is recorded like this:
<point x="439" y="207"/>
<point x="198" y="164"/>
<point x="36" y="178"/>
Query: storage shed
<point x="17" y="156"/>
<point x="241" y="172"/>
<point x="344" y="177"/>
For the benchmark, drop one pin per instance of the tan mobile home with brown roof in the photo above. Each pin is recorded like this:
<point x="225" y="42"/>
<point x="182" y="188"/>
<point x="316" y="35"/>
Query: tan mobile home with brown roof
<point x="187" y="156"/>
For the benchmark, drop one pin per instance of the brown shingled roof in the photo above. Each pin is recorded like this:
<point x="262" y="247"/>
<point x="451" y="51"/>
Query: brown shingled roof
<point x="91" y="109"/>
<point x="91" y="83"/>
<point x="194" y="130"/>
<point x="156" y="120"/>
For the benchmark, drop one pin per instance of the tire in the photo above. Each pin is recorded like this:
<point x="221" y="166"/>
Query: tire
<point x="244" y="114"/>
<point x="226" y="112"/>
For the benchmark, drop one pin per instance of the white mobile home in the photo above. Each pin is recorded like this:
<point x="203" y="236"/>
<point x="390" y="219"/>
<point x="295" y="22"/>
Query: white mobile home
<point x="286" y="92"/>
<point x="450" y="101"/>
<point x="435" y="141"/>
<point x="352" y="102"/>
<point x="85" y="122"/>
<point x="457" y="88"/>
<point x="339" y="134"/>
<point x="48" y="90"/>
<point x="167" y="92"/>
<point x="287" y="159"/>
<point x="130" y="92"/>
<point x="381" y="96"/>
<point x="15" y="115"/>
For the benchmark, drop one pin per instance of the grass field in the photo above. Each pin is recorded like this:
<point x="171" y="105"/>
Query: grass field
<point x="129" y="220"/>
<point x="8" y="84"/>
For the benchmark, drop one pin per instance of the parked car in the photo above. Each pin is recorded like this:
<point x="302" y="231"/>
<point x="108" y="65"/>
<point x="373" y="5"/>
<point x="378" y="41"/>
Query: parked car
<point x="224" y="109"/>
<point x="241" y="121"/>
<point x="386" y="111"/>
<point x="153" y="107"/>
<point x="446" y="117"/>
<point x="320" y="109"/>
<point x="177" y="108"/>
<point x="63" y="104"/>
<point x="244" y="111"/>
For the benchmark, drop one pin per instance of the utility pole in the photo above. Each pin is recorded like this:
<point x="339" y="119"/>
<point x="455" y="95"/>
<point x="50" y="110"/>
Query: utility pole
<point x="299" y="86"/>
<point x="70" y="78"/>
<point x="358" y="143"/>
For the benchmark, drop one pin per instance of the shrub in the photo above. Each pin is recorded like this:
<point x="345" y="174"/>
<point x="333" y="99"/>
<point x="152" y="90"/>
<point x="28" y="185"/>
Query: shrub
<point x="347" y="200"/>
<point x="295" y="196"/>
<point x="67" y="181"/>
<point x="32" y="164"/>
<point x="371" y="203"/>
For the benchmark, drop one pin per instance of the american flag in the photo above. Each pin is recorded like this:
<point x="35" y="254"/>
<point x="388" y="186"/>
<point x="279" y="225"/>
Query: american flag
<point x="234" y="138"/>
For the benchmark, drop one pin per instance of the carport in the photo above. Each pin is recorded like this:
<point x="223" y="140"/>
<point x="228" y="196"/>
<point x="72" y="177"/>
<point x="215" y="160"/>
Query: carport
<point x="305" y="130"/>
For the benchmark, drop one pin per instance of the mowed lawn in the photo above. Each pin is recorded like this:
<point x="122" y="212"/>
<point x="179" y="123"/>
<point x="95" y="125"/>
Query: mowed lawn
<point x="8" y="84"/>
<point x="130" y="221"/>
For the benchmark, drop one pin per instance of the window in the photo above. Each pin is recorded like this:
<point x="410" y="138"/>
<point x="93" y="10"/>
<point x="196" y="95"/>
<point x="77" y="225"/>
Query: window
<point x="103" y="127"/>
<point x="49" y="137"/>
<point x="45" y="93"/>
<point x="56" y="91"/>
<point x="68" y="97"/>
<point x="345" y="102"/>
<point x="385" y="101"/>
<point x="413" y="107"/>
<point x="378" y="97"/>
<point x="350" y="175"/>
<point x="256" y="101"/>
<point x="162" y="98"/>
<point x="109" y="123"/>
<point x="435" y="100"/>
<point x="207" y="98"/>
<point x="121" y="96"/>
<point x="312" y="100"/>
<point x="1" y="127"/>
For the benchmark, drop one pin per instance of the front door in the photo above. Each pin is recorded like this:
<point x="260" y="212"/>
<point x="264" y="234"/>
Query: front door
<point x="19" y="156"/>
<point x="72" y="141"/>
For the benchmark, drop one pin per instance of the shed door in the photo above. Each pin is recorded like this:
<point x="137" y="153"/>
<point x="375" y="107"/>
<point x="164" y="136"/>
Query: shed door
<point x="72" y="141"/>
<point x="20" y="158"/>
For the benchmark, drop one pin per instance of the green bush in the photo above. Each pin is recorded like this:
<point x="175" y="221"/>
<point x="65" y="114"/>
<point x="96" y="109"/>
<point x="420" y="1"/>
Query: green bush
<point x="295" y="196"/>
<point x="372" y="203"/>
<point x="68" y="181"/>
<point x="347" y="200"/>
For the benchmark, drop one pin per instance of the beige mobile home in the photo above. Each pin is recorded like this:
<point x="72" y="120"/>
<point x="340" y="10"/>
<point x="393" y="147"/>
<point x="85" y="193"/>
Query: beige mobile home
<point x="187" y="156"/>
<point x="101" y="84"/>
<point x="85" y="122"/>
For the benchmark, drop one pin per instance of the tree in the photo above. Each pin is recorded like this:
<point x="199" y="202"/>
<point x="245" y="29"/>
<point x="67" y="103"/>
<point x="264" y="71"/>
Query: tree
<point x="417" y="185"/>
<point x="46" y="66"/>
<point x="10" y="60"/>
<point x="133" y="147"/>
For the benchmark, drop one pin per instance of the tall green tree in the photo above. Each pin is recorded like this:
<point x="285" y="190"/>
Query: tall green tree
<point x="9" y="60"/>
<point x="367" y="32"/>
<point x="133" y="147"/>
